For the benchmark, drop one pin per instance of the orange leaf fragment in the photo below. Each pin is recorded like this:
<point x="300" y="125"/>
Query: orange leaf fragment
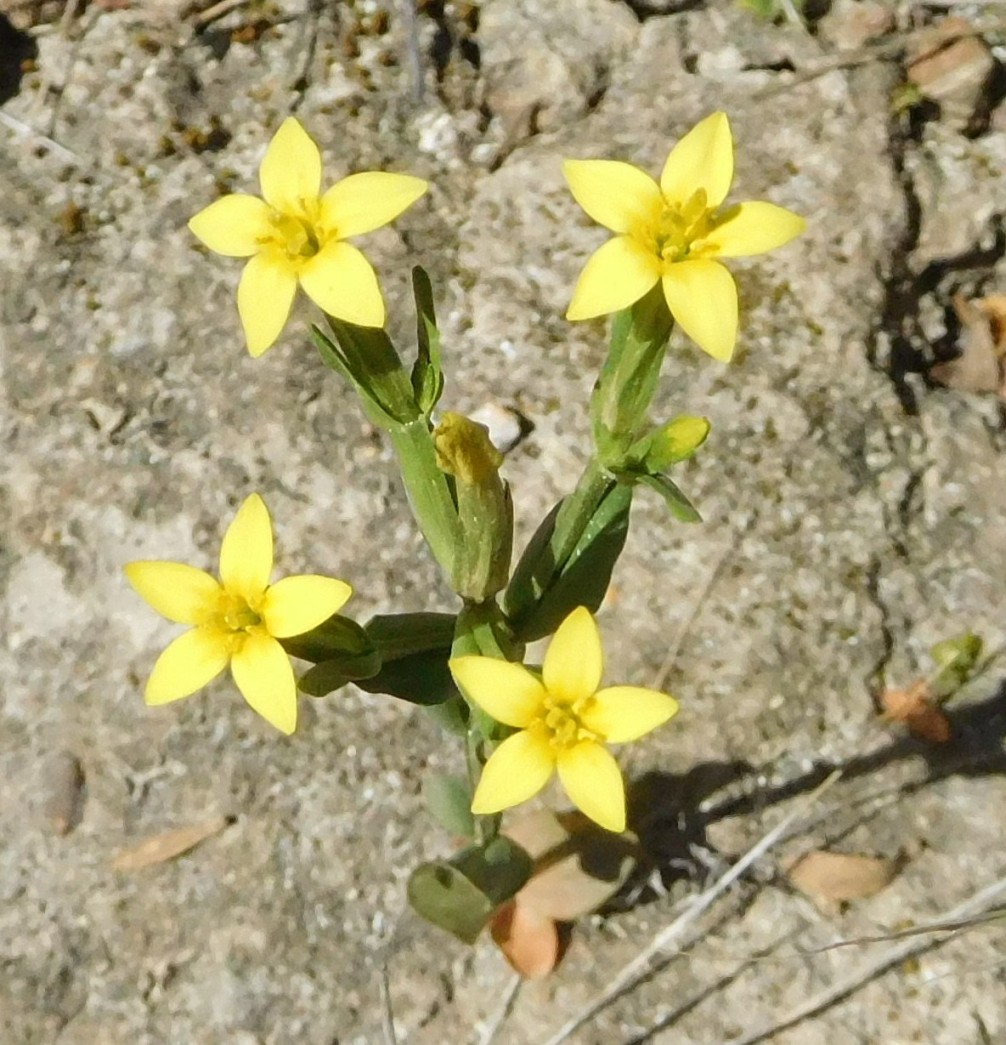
<point x="160" y="848"/>
<point x="915" y="709"/>
<point x="841" y="876"/>
<point x="530" y="941"/>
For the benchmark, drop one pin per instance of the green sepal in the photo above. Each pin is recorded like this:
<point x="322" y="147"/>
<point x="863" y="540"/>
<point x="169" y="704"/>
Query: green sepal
<point x="670" y="444"/>
<point x="628" y="378"/>
<point x="460" y="894"/>
<point x="537" y="602"/>
<point x="427" y="374"/>
<point x="333" y="357"/>
<point x="449" y="800"/>
<point x="367" y="358"/>
<point x="681" y="508"/>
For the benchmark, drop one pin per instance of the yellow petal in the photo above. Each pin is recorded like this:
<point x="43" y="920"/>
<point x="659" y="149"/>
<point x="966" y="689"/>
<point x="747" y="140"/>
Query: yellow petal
<point x="754" y="228"/>
<point x="188" y="664"/>
<point x="702" y="297"/>
<point x="179" y="592"/>
<point x="363" y="202"/>
<point x="508" y="692"/>
<point x="262" y="672"/>
<point x="616" y="275"/>
<point x="616" y="195"/>
<point x="703" y="159"/>
<point x="574" y="661"/>
<point x="234" y="226"/>
<point x="290" y="174"/>
<point x="516" y="771"/>
<point x="265" y="296"/>
<point x="246" y="550"/>
<point x="340" y="281"/>
<point x="298" y="604"/>
<point x="622" y="713"/>
<point x="594" y="784"/>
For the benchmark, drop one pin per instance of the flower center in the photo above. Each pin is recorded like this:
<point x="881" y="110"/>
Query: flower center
<point x="236" y="618"/>
<point x="673" y="235"/>
<point x="298" y="234"/>
<point x="561" y="722"/>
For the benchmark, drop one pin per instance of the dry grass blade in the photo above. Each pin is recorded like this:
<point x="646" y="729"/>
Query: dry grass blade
<point x="673" y="934"/>
<point x="168" y="844"/>
<point x="974" y="906"/>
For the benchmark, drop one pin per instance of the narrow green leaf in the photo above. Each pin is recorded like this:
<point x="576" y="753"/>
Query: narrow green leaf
<point x="335" y="636"/>
<point x="586" y="575"/>
<point x="681" y="508"/>
<point x="401" y="634"/>
<point x="427" y="374"/>
<point x="421" y="678"/>
<point x="449" y="800"/>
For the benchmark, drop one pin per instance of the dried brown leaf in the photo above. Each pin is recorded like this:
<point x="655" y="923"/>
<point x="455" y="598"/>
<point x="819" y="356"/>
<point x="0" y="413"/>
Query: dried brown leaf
<point x="982" y="344"/>
<point x="529" y="940"/>
<point x="578" y="865"/>
<point x="916" y="709"/>
<point x="168" y="844"/>
<point x="841" y="876"/>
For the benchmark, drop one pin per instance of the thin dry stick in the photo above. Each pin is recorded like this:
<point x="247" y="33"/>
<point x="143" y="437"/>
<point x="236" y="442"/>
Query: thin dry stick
<point x="23" y="129"/>
<point x="977" y="904"/>
<point x="495" y="1025"/>
<point x="671" y="936"/>
<point x="387" y="1012"/>
<point x="211" y="14"/>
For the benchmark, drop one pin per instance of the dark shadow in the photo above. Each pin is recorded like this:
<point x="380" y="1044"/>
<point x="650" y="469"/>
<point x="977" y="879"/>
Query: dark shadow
<point x="666" y="809"/>
<point x="17" y="51"/>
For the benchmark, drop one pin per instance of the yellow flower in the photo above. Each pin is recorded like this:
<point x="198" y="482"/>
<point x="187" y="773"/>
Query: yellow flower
<point x="671" y="232"/>
<point x="296" y="235"/>
<point x="564" y="722"/>
<point x="237" y="620"/>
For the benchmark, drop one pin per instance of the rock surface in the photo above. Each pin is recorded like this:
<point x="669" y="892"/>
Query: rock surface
<point x="854" y="515"/>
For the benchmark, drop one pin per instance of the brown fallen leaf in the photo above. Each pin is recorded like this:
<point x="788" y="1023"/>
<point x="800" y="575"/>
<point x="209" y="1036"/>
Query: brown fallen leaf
<point x="841" y="876"/>
<point x="530" y="941"/>
<point x="578" y="868"/>
<point x="982" y="344"/>
<point x="64" y="786"/>
<point x="168" y="844"/>
<point x="917" y="710"/>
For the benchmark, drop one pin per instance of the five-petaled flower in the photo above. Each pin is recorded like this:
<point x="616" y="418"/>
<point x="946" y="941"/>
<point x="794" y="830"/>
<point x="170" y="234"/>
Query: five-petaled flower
<point x="296" y="235"/>
<point x="672" y="232"/>
<point x="236" y="620"/>
<point x="564" y="721"/>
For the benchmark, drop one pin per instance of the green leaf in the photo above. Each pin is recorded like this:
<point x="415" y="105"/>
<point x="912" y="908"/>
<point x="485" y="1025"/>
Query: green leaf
<point x="461" y="894"/>
<point x="681" y="508"/>
<point x="401" y="634"/>
<point x="335" y="360"/>
<point x="583" y="580"/>
<point x="336" y="636"/>
<point x="422" y="678"/>
<point x="957" y="659"/>
<point x="333" y="674"/>
<point x="449" y="800"/>
<point x="451" y="716"/>
<point x="427" y="374"/>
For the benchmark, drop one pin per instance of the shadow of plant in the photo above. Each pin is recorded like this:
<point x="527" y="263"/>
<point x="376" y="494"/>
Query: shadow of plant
<point x="666" y="810"/>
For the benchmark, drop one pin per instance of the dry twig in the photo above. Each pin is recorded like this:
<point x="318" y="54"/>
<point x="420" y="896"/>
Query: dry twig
<point x="974" y="906"/>
<point x="672" y="936"/>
